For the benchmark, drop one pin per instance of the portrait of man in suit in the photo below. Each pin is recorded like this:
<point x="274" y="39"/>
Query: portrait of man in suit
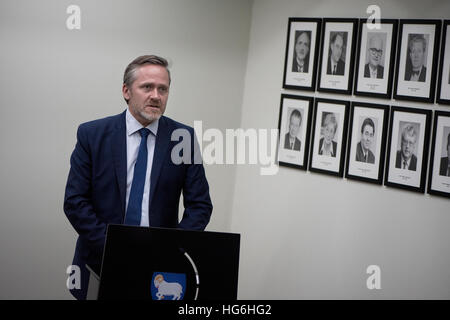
<point x="122" y="172"/>
<point x="327" y="146"/>
<point x="291" y="142"/>
<point x="336" y="66"/>
<point x="415" y="61"/>
<point x="363" y="152"/>
<point x="405" y="157"/>
<point x="374" y="68"/>
<point x="301" y="51"/>
<point x="444" y="167"/>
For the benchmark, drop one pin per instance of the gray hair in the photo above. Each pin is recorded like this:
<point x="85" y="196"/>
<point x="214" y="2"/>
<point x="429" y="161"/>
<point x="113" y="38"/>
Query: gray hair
<point x="330" y="118"/>
<point x="130" y="72"/>
<point x="409" y="130"/>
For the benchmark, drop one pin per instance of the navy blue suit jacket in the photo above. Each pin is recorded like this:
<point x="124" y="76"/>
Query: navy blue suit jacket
<point x="96" y="187"/>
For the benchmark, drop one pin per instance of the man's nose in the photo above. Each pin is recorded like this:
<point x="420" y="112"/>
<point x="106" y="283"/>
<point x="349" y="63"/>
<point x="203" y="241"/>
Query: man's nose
<point x="154" y="94"/>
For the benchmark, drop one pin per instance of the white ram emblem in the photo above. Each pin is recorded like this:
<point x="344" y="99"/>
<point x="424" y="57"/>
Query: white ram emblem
<point x="167" y="288"/>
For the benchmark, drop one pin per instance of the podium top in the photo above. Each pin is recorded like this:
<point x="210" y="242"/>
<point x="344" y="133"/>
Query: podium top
<point x="160" y="263"/>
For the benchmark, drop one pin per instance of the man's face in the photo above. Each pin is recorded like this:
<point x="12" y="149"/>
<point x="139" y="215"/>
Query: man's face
<point x="408" y="146"/>
<point x="417" y="54"/>
<point x="148" y="93"/>
<point x="336" y="48"/>
<point x="294" y="126"/>
<point x="302" y="46"/>
<point x="448" y="151"/>
<point x="328" y="133"/>
<point x="376" y="50"/>
<point x="367" y="137"/>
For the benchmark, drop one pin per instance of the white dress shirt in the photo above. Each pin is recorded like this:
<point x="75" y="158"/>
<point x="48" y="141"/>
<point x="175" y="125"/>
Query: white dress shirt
<point x="373" y="72"/>
<point x="133" y="141"/>
<point x="407" y="163"/>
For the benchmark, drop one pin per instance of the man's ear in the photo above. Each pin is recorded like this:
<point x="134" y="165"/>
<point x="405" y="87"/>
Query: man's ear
<point x="125" y="92"/>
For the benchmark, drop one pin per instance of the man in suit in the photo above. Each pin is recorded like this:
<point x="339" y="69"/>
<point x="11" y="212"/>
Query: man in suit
<point x="301" y="52"/>
<point x="123" y="172"/>
<point x="444" y="168"/>
<point x="328" y="147"/>
<point x="405" y="158"/>
<point x="373" y="69"/>
<point x="363" y="153"/>
<point x="335" y="64"/>
<point x="291" y="141"/>
<point x="415" y="69"/>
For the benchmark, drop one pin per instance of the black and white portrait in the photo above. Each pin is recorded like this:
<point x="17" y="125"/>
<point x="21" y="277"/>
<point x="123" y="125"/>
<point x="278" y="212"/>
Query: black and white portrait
<point x="406" y="165"/>
<point x="415" y="77"/>
<point x="375" y="55"/>
<point x="302" y="46"/>
<point x="439" y="176"/>
<point x="443" y="91"/>
<point x="406" y="156"/>
<point x="444" y="163"/>
<point x="327" y="143"/>
<point x="364" y="148"/>
<point x="416" y="57"/>
<point x="367" y="141"/>
<point x="376" y="59"/>
<point x="329" y="136"/>
<point x="337" y="54"/>
<point x="294" y="122"/>
<point x="294" y="125"/>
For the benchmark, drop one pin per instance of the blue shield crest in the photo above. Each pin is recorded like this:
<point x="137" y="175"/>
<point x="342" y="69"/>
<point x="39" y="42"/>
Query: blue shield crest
<point x="168" y="286"/>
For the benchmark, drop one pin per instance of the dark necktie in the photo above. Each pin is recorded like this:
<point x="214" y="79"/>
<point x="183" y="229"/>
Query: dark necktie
<point x="134" y="210"/>
<point x="405" y="164"/>
<point x="334" y="69"/>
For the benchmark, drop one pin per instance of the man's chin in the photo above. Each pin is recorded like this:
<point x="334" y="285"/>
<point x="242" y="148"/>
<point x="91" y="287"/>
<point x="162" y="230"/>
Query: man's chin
<point x="151" y="117"/>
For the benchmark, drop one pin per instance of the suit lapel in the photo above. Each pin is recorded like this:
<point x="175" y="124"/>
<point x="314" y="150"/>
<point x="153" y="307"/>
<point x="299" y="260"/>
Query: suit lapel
<point x="119" y="152"/>
<point x="161" y="149"/>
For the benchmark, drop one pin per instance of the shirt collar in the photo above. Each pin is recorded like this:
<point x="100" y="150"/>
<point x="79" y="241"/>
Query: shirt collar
<point x="407" y="161"/>
<point x="331" y="148"/>
<point x="133" y="125"/>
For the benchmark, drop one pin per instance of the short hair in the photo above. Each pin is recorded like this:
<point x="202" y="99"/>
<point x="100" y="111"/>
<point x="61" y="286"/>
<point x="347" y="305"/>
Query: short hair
<point x="333" y="37"/>
<point x="296" y="113"/>
<point x="129" y="75"/>
<point x="368" y="121"/>
<point x="409" y="129"/>
<point x="418" y="38"/>
<point x="330" y="119"/>
<point x="303" y="32"/>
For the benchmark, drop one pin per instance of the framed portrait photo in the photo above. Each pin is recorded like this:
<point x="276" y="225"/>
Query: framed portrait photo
<point x="418" y="47"/>
<point x="302" y="47"/>
<point x="367" y="142"/>
<point x="407" y="155"/>
<point x="337" y="55"/>
<point x="443" y="92"/>
<point x="375" y="58"/>
<point x="329" y="136"/>
<point x="294" y="125"/>
<point x="439" y="176"/>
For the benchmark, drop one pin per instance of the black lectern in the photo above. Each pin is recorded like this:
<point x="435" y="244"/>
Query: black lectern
<point x="167" y="264"/>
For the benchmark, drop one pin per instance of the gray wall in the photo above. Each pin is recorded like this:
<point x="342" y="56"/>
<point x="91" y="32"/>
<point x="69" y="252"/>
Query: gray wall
<point x="314" y="235"/>
<point x="53" y="79"/>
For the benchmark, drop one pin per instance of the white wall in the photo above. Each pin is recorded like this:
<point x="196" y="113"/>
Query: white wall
<point x="304" y="235"/>
<point x="53" y="79"/>
<point x="307" y="235"/>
